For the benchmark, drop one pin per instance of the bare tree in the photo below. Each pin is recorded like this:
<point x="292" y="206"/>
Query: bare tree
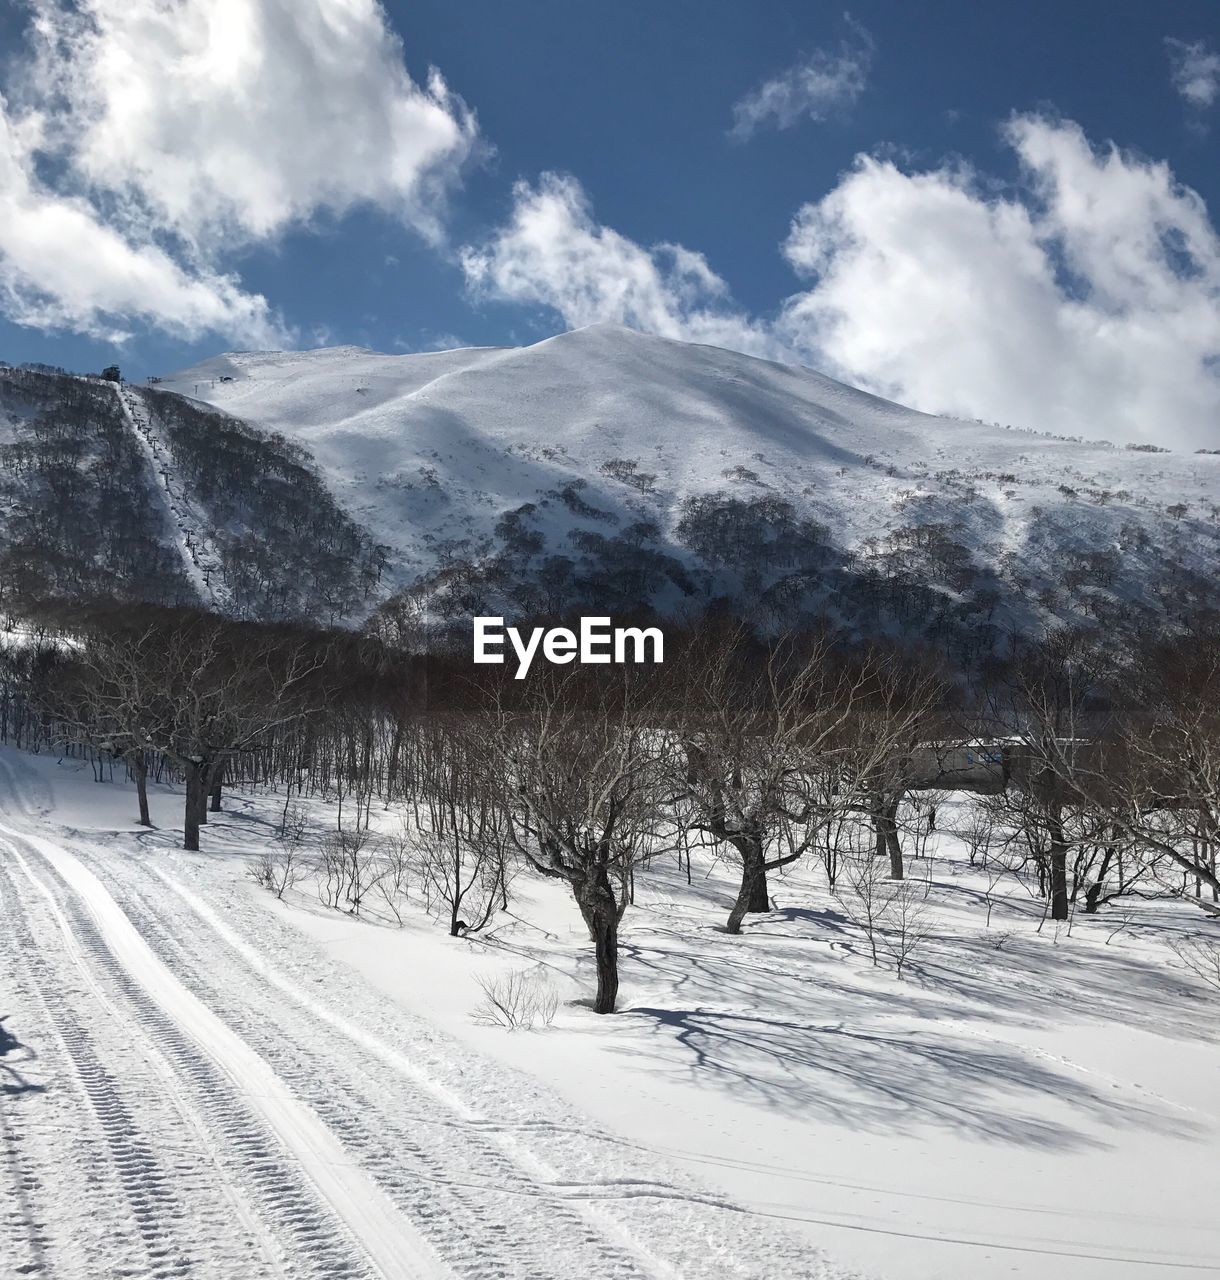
<point x="351" y="869"/>
<point x="1160" y="780"/>
<point x="573" y="760"/>
<point x="891" y="913"/>
<point x="770" y="749"/>
<point x="464" y="851"/>
<point x="1049" y="706"/>
<point x="1201" y="956"/>
<point x="198" y="690"/>
<point x="95" y="709"/>
<point x="974" y="826"/>
<point x="905" y="710"/>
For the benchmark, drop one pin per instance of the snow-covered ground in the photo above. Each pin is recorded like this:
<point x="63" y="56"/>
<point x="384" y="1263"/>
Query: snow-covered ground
<point x="432" y="448"/>
<point x="203" y="1081"/>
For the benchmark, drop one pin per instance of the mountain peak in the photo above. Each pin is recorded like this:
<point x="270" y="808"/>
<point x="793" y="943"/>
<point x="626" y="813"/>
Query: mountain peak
<point x="603" y="428"/>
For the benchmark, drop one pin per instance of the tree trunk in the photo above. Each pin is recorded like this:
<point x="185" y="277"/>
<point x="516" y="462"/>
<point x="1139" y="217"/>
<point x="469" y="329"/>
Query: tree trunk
<point x="752" y="896"/>
<point x="139" y="769"/>
<point x="391" y="773"/>
<point x="604" y="927"/>
<point x="885" y="823"/>
<point x="760" y="900"/>
<point x="600" y="911"/>
<point x="201" y="794"/>
<point x="1059" y="883"/>
<point x="1092" y="896"/>
<point x="455" y="921"/>
<point x="195" y="796"/>
<point x="215" y="805"/>
<point x="897" y="871"/>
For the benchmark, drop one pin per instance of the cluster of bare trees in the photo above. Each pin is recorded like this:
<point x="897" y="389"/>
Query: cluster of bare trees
<point x="1111" y="768"/>
<point x="1098" y="774"/>
<point x="184" y="687"/>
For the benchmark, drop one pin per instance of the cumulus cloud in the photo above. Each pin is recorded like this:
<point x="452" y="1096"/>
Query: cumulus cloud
<point x="1195" y="68"/>
<point x="176" y="133"/>
<point x="61" y="267"/>
<point x="1085" y="301"/>
<point x="826" y="81"/>
<point x="553" y="253"/>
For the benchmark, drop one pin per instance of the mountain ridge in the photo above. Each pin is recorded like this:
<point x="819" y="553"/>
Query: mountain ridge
<point x="608" y="468"/>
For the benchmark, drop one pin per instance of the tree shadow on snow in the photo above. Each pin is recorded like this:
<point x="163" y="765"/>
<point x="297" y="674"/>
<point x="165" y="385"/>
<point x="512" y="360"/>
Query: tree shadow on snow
<point x="879" y="1082"/>
<point x="12" y="1081"/>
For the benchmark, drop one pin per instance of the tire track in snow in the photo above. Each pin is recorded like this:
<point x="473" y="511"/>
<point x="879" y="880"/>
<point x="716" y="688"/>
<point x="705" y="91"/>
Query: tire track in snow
<point x="584" y="1212"/>
<point x="66" y="1133"/>
<point x="181" y="1200"/>
<point x="488" y="1215"/>
<point x="24" y="1240"/>
<point x="334" y="1221"/>
<point x="620" y="1205"/>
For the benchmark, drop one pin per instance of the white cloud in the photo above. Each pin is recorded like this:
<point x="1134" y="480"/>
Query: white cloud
<point x="1196" y="71"/>
<point x="815" y="87"/>
<point x="62" y="267"/>
<point x="553" y="253"/>
<point x="177" y="133"/>
<point x="1085" y="302"/>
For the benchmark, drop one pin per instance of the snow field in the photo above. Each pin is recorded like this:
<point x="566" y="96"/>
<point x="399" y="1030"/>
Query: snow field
<point x="1031" y="1103"/>
<point x="436" y="446"/>
<point x="368" y="1112"/>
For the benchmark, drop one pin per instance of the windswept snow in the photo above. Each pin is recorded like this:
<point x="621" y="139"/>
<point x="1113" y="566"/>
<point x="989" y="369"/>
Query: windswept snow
<point x="431" y="448"/>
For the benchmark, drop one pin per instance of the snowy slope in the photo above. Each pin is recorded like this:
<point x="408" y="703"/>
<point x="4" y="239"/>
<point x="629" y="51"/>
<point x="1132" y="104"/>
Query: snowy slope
<point x="431" y="449"/>
<point x="193" y="1091"/>
<point x="202" y="1081"/>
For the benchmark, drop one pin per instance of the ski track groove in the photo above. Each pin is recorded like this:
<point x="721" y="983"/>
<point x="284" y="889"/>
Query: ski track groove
<point x="169" y="1202"/>
<point x="524" y="1190"/>
<point x="375" y="1115"/>
<point x="565" y="1164"/>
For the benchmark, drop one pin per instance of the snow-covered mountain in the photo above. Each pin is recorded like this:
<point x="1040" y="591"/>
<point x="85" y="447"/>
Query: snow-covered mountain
<point x="605" y="467"/>
<point x="604" y="429"/>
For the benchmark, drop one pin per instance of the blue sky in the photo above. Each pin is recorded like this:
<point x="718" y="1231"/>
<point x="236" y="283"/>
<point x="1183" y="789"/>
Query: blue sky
<point x="632" y="106"/>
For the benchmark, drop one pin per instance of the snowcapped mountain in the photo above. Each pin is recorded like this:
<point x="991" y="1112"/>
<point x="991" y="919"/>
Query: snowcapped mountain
<point x="604" y="430"/>
<point x="606" y="468"/>
<point x="436" y="447"/>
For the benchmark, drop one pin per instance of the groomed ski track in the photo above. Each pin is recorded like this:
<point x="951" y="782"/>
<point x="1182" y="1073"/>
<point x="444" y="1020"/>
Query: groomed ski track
<point x="200" y="1092"/>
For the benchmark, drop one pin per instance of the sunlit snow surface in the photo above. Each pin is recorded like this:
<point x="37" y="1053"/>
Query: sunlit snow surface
<point x="434" y="447"/>
<point x="201" y="1081"/>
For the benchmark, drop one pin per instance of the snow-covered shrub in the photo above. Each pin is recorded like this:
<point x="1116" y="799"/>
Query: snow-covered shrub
<point x="974" y="827"/>
<point x="349" y="869"/>
<point x="464" y="865"/>
<point x="890" y="913"/>
<point x="279" y="870"/>
<point x="393" y="879"/>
